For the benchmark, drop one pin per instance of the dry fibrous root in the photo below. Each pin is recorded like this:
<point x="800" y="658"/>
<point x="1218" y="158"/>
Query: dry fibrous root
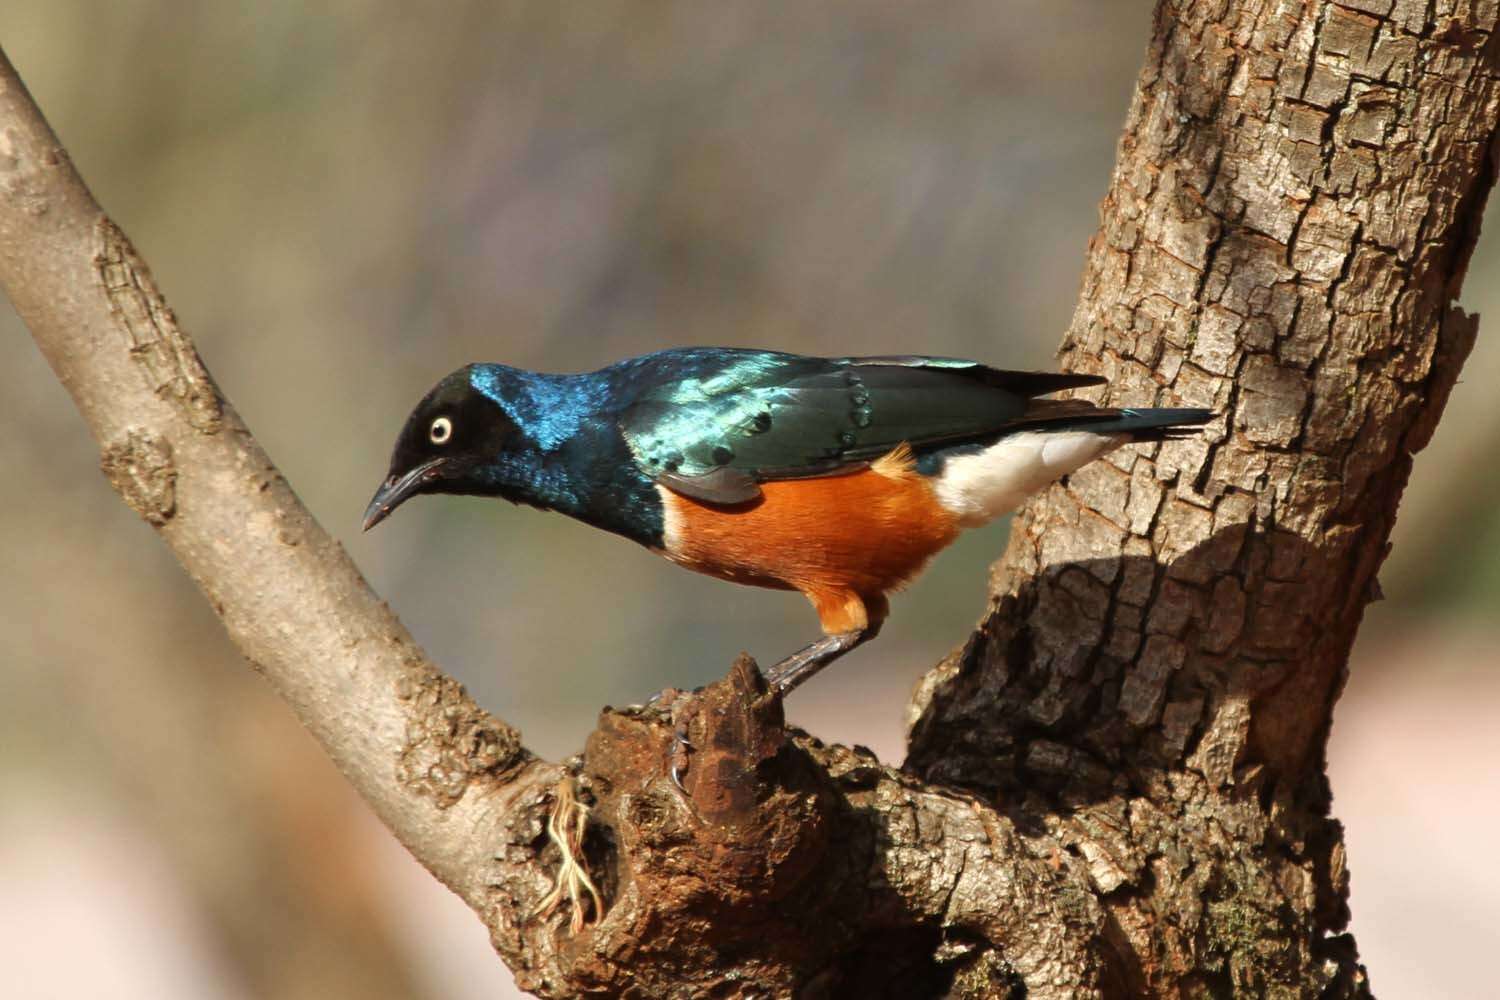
<point x="565" y="827"/>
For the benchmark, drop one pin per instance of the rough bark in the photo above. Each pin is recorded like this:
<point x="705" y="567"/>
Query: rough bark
<point x="1116" y="786"/>
<point x="1296" y="197"/>
<point x="443" y="775"/>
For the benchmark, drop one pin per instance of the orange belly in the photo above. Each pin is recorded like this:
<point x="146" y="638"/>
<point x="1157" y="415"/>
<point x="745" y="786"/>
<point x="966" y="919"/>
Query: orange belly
<point x="844" y="541"/>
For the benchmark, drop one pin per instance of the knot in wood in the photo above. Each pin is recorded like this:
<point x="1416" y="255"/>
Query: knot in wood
<point x="140" y="468"/>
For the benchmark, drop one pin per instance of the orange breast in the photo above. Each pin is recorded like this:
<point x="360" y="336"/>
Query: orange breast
<point x="844" y="541"/>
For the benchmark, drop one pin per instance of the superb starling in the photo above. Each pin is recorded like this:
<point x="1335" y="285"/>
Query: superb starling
<point x="838" y="477"/>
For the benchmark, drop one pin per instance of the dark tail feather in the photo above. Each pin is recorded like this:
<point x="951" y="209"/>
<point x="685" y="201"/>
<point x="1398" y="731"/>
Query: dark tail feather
<point x="1154" y="425"/>
<point x="1141" y="424"/>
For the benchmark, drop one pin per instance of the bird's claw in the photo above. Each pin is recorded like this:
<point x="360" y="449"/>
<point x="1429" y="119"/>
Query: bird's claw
<point x="682" y="717"/>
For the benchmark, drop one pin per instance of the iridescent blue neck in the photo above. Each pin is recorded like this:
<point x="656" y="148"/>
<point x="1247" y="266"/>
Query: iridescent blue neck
<point x="549" y="409"/>
<point x="574" y="460"/>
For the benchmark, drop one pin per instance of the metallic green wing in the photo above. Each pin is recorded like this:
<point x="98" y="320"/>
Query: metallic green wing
<point x="716" y="435"/>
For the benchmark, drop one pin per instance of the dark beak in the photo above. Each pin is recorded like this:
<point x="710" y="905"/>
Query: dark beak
<point x="398" y="489"/>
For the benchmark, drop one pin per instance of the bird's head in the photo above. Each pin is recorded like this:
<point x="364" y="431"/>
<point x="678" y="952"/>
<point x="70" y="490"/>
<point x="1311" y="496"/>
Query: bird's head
<point x="450" y="444"/>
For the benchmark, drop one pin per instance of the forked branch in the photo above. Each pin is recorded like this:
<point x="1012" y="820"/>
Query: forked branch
<point x="1116" y="787"/>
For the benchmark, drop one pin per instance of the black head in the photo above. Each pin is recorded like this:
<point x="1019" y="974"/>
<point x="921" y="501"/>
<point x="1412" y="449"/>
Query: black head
<point x="454" y="436"/>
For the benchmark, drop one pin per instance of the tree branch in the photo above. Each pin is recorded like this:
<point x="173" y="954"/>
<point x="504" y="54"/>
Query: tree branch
<point x="1115" y="788"/>
<point x="442" y="774"/>
<point x="797" y="867"/>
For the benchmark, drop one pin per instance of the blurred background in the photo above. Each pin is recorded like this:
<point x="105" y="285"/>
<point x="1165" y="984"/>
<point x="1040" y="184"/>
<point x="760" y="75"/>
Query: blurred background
<point x="345" y="201"/>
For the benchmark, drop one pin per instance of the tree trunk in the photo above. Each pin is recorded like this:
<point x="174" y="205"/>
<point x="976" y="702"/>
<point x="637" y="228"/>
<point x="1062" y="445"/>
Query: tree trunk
<point x="1297" y="193"/>
<point x="1116" y="787"/>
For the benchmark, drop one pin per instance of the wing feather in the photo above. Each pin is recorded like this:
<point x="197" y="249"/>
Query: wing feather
<point x="715" y="433"/>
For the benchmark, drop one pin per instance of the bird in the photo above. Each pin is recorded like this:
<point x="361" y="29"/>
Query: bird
<point x="836" y="477"/>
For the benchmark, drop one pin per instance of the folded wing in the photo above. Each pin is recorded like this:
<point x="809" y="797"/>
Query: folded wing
<point x="789" y="417"/>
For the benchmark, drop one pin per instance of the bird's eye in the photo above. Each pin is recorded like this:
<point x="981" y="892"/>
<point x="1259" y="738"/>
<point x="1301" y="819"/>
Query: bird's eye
<point x="442" y="430"/>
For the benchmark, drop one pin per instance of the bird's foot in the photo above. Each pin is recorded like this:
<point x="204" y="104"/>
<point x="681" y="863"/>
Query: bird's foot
<point x="678" y="707"/>
<point x="683" y="711"/>
<point x="565" y="827"/>
<point x="662" y="700"/>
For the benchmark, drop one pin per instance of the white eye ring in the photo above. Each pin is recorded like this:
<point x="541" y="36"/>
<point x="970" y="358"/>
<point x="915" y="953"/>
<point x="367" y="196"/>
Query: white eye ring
<point x="442" y="430"/>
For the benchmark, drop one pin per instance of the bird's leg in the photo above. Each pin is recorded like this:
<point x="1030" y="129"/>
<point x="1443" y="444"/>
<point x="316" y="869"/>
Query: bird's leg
<point x="849" y="619"/>
<point x="801" y="665"/>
